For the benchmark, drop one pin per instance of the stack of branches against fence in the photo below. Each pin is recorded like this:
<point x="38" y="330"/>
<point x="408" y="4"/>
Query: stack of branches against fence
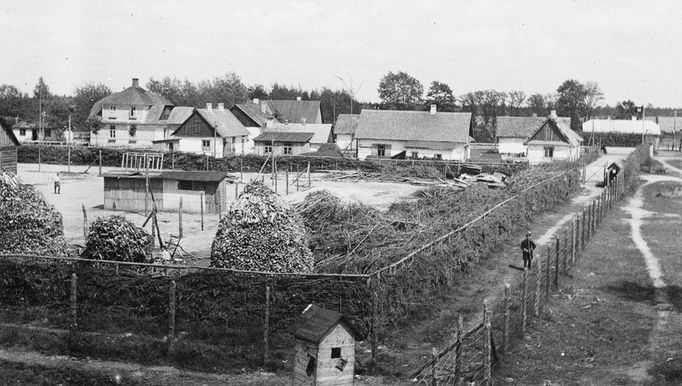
<point x="523" y="300"/>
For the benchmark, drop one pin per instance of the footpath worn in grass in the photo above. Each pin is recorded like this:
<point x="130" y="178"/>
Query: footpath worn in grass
<point x="595" y="330"/>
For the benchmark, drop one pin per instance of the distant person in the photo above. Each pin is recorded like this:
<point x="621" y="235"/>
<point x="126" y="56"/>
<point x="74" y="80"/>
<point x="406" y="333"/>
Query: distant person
<point x="603" y="149"/>
<point x="527" y="246"/>
<point x="57" y="184"/>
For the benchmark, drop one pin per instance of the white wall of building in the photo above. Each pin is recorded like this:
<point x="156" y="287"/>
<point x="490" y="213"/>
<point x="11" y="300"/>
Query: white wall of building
<point x="366" y="147"/>
<point x="510" y="145"/>
<point x="345" y="142"/>
<point x="536" y="153"/>
<point x="144" y="135"/>
<point x="123" y="114"/>
<point x="23" y="138"/>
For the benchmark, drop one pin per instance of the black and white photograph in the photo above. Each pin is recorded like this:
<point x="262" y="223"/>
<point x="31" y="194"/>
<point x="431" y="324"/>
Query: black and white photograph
<point x="361" y="192"/>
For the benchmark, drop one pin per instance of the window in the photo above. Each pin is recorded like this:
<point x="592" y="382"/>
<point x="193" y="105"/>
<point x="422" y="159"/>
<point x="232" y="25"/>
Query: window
<point x="268" y="149"/>
<point x="184" y="185"/>
<point x="132" y="113"/>
<point x="112" y="131"/>
<point x="288" y="149"/>
<point x="205" y="144"/>
<point x="381" y="150"/>
<point x="132" y="141"/>
<point x="414" y="155"/>
<point x="336" y="352"/>
<point x="22" y="132"/>
<point x="132" y="131"/>
<point x="112" y="112"/>
<point x="170" y="146"/>
<point x="113" y="109"/>
<point x="549" y="152"/>
<point x="438" y="156"/>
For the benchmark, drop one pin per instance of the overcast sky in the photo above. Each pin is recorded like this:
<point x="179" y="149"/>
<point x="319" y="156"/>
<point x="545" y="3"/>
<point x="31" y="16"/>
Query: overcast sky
<point x="631" y="48"/>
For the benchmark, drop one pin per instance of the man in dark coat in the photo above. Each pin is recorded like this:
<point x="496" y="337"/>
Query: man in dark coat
<point x="527" y="246"/>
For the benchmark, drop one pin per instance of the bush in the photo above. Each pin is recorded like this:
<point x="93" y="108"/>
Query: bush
<point x="115" y="238"/>
<point x="260" y="232"/>
<point x="28" y="224"/>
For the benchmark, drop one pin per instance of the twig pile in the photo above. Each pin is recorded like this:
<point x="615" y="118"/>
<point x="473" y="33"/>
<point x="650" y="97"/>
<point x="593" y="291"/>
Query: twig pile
<point x="261" y="232"/>
<point x="115" y="238"/>
<point x="28" y="224"/>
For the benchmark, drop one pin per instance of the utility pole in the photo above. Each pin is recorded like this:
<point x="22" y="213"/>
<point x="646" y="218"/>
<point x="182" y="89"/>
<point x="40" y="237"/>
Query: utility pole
<point x="674" y="128"/>
<point x="351" y="90"/>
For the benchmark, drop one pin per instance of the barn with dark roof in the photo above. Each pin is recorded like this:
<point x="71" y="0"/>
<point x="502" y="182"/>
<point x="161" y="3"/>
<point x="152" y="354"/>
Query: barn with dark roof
<point x="8" y="148"/>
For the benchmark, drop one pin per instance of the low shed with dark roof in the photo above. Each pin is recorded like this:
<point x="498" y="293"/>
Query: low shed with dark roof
<point x="282" y="143"/>
<point x="325" y="348"/>
<point x="419" y="134"/>
<point x="8" y="148"/>
<point x="126" y="191"/>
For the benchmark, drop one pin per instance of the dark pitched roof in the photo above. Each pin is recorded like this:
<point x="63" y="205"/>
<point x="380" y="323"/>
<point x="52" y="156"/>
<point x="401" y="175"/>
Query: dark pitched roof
<point x="277" y="136"/>
<point x="9" y="132"/>
<point x="295" y="111"/>
<point x="225" y="123"/>
<point x="414" y="126"/>
<point x="564" y="128"/>
<point x="518" y="126"/>
<point x="254" y="111"/>
<point x="315" y="322"/>
<point x="179" y="115"/>
<point x="132" y="96"/>
<point x="178" y="175"/>
<point x="346" y="123"/>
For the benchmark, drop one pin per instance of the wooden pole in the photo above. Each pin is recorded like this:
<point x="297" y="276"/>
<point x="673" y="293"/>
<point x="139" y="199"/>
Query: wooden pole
<point x="458" y="349"/>
<point x="153" y="233"/>
<point x="565" y="255"/>
<point x="538" y="284"/>
<point x="309" y="184"/>
<point x="206" y="162"/>
<point x="171" y="311"/>
<point x="549" y="265"/>
<point x="202" y="211"/>
<point x="487" y="342"/>
<point x="241" y="169"/>
<point x="236" y="190"/>
<point x="582" y="231"/>
<point x="573" y="232"/>
<point x="146" y="185"/>
<point x="375" y="322"/>
<point x="74" y="303"/>
<point x="173" y="160"/>
<point x="286" y="176"/>
<point x="100" y="162"/>
<point x="68" y="159"/>
<point x="505" y="329"/>
<point x="266" y="327"/>
<point x="434" y="358"/>
<point x="275" y="173"/>
<point x="39" y="155"/>
<point x="524" y="302"/>
<point x="85" y="223"/>
<point x="556" y="265"/>
<point x="180" y="218"/>
<point x="298" y="176"/>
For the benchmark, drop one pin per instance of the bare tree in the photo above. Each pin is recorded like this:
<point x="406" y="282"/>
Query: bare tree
<point x="516" y="99"/>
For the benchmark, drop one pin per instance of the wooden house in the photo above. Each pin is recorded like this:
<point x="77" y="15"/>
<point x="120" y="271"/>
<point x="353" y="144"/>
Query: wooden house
<point x="126" y="190"/>
<point x="325" y="348"/>
<point x="416" y="134"/>
<point x="8" y="148"/>
<point x="212" y="131"/>
<point x="553" y="140"/>
<point x="292" y="139"/>
<point x="512" y="132"/>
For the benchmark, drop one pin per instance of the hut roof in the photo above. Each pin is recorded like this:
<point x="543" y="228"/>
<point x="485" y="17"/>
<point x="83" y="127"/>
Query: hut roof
<point x="322" y="132"/>
<point x="178" y="175"/>
<point x="131" y="96"/>
<point x="414" y="126"/>
<point x="623" y="126"/>
<point x="284" y="137"/>
<point x="346" y="123"/>
<point x="518" y="126"/>
<point x="225" y="123"/>
<point x="254" y="112"/>
<point x="295" y="111"/>
<point x="9" y="132"/>
<point x="315" y="322"/>
<point x="327" y="150"/>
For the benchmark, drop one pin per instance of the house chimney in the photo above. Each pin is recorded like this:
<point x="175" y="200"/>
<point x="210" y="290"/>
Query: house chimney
<point x="136" y="82"/>
<point x="209" y="106"/>
<point x="303" y="120"/>
<point x="256" y="101"/>
<point x="298" y="99"/>
<point x="434" y="108"/>
<point x="221" y="106"/>
<point x="634" y="117"/>
<point x="552" y="114"/>
<point x="535" y="115"/>
<point x="263" y="108"/>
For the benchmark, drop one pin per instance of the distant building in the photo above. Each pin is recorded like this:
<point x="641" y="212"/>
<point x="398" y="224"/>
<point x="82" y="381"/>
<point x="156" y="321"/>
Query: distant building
<point x="8" y="148"/>
<point x="670" y="130"/>
<point x="649" y="130"/>
<point x="292" y="139"/>
<point x="212" y="131"/>
<point x="30" y="131"/>
<point x="553" y="140"/>
<point x="414" y="134"/>
<point x="133" y="117"/>
<point x="126" y="190"/>
<point x="344" y="132"/>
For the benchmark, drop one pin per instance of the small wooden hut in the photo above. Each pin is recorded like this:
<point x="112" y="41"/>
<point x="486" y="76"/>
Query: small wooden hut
<point x="325" y="348"/>
<point x="612" y="172"/>
<point x="8" y="148"/>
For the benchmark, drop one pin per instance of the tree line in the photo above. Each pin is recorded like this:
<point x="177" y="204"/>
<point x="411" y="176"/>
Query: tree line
<point x="397" y="90"/>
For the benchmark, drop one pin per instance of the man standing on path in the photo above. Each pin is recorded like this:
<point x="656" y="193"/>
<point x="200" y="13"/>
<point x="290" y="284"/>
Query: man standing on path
<point x="57" y="184"/>
<point x="527" y="246"/>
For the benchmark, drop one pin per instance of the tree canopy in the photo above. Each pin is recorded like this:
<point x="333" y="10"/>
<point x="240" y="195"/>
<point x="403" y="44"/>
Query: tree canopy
<point x="85" y="97"/>
<point x="441" y="95"/>
<point x="400" y="90"/>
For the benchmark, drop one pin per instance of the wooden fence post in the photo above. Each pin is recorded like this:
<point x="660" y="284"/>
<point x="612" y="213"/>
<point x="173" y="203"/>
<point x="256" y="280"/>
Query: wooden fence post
<point x="524" y="302"/>
<point x="241" y="168"/>
<point x="487" y="341"/>
<point x="538" y="284"/>
<point x="309" y="183"/>
<point x="68" y="159"/>
<point x="266" y="328"/>
<point x="85" y="224"/>
<point x="153" y="234"/>
<point x="171" y="311"/>
<point x="298" y="176"/>
<point x="100" y="162"/>
<point x="173" y="160"/>
<point x="565" y="254"/>
<point x="180" y="218"/>
<point x="39" y="157"/>
<point x="548" y="261"/>
<point x="505" y="330"/>
<point x="201" y="196"/>
<point x="286" y="176"/>
<point x="375" y="322"/>
<point x="556" y="265"/>
<point x="434" y="357"/>
<point x="573" y="232"/>
<point x="74" y="304"/>
<point x="236" y="190"/>
<point x="458" y="349"/>
<point x="582" y="232"/>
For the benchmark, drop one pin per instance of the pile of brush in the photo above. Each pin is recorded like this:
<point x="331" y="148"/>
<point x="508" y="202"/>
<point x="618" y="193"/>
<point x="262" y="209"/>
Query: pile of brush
<point x="115" y="238"/>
